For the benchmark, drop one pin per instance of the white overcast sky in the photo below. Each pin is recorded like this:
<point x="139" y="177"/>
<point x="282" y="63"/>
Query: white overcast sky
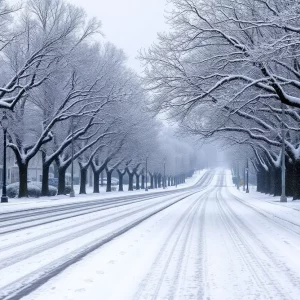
<point x="129" y="24"/>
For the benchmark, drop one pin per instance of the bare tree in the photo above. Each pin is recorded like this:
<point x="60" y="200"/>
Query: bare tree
<point x="45" y="32"/>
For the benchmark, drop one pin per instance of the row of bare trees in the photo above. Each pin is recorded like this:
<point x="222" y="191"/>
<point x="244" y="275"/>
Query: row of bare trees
<point x="71" y="98"/>
<point x="229" y="71"/>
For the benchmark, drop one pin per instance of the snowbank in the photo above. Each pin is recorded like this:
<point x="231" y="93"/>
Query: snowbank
<point x="27" y="203"/>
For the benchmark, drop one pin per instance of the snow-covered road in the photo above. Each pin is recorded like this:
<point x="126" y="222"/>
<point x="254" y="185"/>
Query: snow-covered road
<point x="204" y="242"/>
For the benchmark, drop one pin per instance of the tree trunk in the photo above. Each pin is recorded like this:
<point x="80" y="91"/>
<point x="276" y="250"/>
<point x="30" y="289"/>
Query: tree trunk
<point x="108" y="180"/>
<point x="263" y="181"/>
<point x="23" y="192"/>
<point x="137" y="181"/>
<point x="159" y="180"/>
<point x="277" y="175"/>
<point x="130" y="186"/>
<point x="45" y="180"/>
<point x="268" y="182"/>
<point x="61" y="181"/>
<point x="151" y="181"/>
<point x="155" y="181"/>
<point x="90" y="178"/>
<point x="97" y="171"/>
<point x="102" y="181"/>
<point x="96" y="182"/>
<point x="55" y="167"/>
<point x="121" y="175"/>
<point x="83" y="177"/>
<point x="272" y="180"/>
<point x="289" y="178"/>
<point x="296" y="180"/>
<point x="260" y="181"/>
<point x="143" y="182"/>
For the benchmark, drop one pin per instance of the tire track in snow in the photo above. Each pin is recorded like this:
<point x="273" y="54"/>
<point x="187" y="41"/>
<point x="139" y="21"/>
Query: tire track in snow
<point x="272" y="258"/>
<point x="182" y="235"/>
<point x="203" y="180"/>
<point x="197" y="225"/>
<point x="184" y="285"/>
<point x="259" y="270"/>
<point x="69" y="214"/>
<point x="94" y="207"/>
<point x="22" y="255"/>
<point x="32" y="281"/>
<point x="181" y="242"/>
<point x="273" y="218"/>
<point x="32" y="212"/>
<point x="51" y="233"/>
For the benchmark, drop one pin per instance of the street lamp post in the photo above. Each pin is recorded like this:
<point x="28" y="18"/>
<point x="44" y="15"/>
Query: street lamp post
<point x="164" y="181"/>
<point x="244" y="179"/>
<point x="283" y="195"/>
<point x="176" y="176"/>
<point x="238" y="176"/>
<point x="4" y="124"/>
<point x="72" y="193"/>
<point x="146" y="189"/>
<point x="247" y="176"/>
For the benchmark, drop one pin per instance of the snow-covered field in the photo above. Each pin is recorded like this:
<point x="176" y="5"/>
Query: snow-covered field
<point x="208" y="241"/>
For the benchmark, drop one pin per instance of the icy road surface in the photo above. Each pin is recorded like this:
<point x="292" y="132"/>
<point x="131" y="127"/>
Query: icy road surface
<point x="203" y="242"/>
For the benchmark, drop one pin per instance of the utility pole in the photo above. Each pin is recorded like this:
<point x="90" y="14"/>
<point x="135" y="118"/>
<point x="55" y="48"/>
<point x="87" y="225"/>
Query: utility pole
<point x="247" y="177"/>
<point x="176" y="176"/>
<point x="244" y="180"/>
<point x="238" y="176"/>
<point x="102" y="176"/>
<point x="164" y="181"/>
<point x="4" y="124"/>
<point x="283" y="193"/>
<point x="146" y="189"/>
<point x="72" y="193"/>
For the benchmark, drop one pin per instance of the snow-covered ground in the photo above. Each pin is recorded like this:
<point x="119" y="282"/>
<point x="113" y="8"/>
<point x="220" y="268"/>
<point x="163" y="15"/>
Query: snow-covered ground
<point x="253" y="194"/>
<point x="208" y="241"/>
<point x="28" y="203"/>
